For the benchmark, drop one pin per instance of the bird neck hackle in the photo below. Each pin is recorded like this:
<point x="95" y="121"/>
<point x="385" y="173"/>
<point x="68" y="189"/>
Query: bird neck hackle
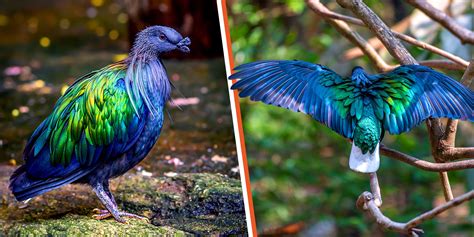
<point x="147" y="82"/>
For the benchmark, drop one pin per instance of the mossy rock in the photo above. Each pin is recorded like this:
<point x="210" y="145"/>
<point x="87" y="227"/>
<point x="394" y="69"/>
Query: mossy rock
<point x="197" y="203"/>
<point x="76" y="225"/>
<point x="185" y="204"/>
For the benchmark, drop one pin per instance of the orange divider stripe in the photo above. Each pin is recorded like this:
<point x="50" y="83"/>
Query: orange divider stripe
<point x="239" y="119"/>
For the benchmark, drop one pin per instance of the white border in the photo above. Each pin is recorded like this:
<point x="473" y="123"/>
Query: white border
<point x="245" y="190"/>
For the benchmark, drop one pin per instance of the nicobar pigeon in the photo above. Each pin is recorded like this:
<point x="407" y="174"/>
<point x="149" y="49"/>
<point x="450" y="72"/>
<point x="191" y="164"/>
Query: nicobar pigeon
<point x="104" y="124"/>
<point x="360" y="107"/>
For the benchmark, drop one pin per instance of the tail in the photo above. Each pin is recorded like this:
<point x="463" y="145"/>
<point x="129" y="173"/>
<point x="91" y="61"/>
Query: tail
<point x="24" y="187"/>
<point x="364" y="163"/>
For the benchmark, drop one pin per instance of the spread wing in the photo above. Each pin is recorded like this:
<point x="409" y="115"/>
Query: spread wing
<point x="410" y="94"/>
<point x="303" y="87"/>
<point x="92" y="122"/>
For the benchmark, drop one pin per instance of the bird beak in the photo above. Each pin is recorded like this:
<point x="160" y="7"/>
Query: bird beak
<point x="183" y="45"/>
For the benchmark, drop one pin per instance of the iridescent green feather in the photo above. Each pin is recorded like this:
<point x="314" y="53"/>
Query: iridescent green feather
<point x="396" y="91"/>
<point x="91" y="114"/>
<point x="342" y="92"/>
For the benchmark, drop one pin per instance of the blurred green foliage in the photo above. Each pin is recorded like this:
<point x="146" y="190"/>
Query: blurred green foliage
<point x="298" y="167"/>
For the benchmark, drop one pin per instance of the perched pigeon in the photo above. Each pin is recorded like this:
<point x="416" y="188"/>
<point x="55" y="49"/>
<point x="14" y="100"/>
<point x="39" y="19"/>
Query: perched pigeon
<point x="104" y="124"/>
<point x="360" y="107"/>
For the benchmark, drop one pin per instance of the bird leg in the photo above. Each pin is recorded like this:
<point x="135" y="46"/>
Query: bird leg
<point x="107" y="199"/>
<point x="107" y="191"/>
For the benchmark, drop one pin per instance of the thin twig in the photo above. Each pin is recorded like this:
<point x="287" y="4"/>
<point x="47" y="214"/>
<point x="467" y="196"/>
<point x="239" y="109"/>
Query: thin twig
<point x="356" y="39"/>
<point x="463" y="34"/>
<point x="432" y="48"/>
<point x="378" y="27"/>
<point x="355" y="52"/>
<point x="323" y="11"/>
<point x="438" y="210"/>
<point x="426" y="165"/>
<point x="442" y="64"/>
<point x="343" y="28"/>
<point x="371" y="52"/>
<point x="447" y="191"/>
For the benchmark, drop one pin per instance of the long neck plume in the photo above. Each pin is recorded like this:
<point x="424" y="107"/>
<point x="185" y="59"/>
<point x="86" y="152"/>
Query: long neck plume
<point x="147" y="82"/>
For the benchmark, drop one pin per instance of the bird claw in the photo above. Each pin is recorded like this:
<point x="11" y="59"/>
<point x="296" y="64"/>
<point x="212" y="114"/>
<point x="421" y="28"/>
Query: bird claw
<point x="130" y="215"/>
<point x="100" y="211"/>
<point x="101" y="214"/>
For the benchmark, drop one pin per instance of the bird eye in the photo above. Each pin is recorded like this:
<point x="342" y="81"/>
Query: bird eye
<point x="162" y="37"/>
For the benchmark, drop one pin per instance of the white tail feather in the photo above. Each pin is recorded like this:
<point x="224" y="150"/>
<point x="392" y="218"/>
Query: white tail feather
<point x="364" y="163"/>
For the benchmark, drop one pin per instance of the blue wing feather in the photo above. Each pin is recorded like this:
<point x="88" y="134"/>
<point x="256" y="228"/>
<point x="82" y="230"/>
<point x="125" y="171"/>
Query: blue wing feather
<point x="435" y="95"/>
<point x="297" y="86"/>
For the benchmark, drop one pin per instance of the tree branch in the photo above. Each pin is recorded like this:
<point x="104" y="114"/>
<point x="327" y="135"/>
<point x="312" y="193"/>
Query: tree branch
<point x="447" y="191"/>
<point x="321" y="10"/>
<point x="442" y="64"/>
<point x="426" y="165"/>
<point x="468" y="75"/>
<point x="375" y="189"/>
<point x="371" y="52"/>
<point x="355" y="52"/>
<point x="343" y="28"/>
<point x="456" y="153"/>
<point x="356" y="39"/>
<point x="433" y="49"/>
<point x="438" y="210"/>
<point x="366" y="202"/>
<point x="378" y="27"/>
<point x="436" y="132"/>
<point x="450" y="132"/>
<point x="465" y="35"/>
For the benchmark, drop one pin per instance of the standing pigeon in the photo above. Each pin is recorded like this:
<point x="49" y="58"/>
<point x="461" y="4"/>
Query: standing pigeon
<point x="104" y="124"/>
<point x="361" y="107"/>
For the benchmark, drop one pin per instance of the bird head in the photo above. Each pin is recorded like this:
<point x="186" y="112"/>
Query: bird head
<point x="160" y="39"/>
<point x="360" y="77"/>
<point x="358" y="70"/>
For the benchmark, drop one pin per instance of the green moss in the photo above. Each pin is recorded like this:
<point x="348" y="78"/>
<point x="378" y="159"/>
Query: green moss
<point x="197" y="203"/>
<point x="217" y="193"/>
<point x="75" y="225"/>
<point x="226" y="224"/>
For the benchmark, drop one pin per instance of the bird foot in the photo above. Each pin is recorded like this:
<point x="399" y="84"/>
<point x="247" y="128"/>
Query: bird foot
<point x="101" y="214"/>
